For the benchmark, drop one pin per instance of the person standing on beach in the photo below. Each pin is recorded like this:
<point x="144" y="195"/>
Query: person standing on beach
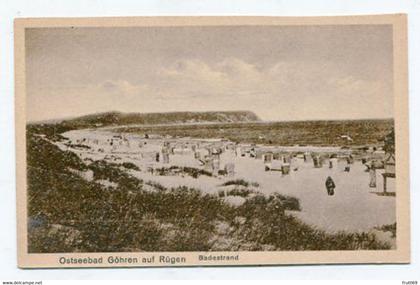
<point x="330" y="185"/>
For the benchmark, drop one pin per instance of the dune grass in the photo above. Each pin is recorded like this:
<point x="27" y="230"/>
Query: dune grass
<point x="70" y="214"/>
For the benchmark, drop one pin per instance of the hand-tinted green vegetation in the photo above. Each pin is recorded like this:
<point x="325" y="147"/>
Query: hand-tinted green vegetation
<point x="67" y="213"/>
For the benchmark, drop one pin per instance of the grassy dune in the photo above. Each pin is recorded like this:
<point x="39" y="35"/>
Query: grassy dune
<point x="70" y="214"/>
<point x="363" y="132"/>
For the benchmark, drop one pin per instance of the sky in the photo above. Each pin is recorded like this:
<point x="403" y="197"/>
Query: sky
<point x="280" y="73"/>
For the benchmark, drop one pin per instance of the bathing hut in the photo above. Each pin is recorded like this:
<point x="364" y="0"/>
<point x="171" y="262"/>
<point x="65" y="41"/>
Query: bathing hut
<point x="252" y="152"/>
<point x="287" y="159"/>
<point x="277" y="155"/>
<point x="149" y="155"/>
<point x="349" y="159"/>
<point x="208" y="163"/>
<point x="389" y="164"/>
<point x="165" y="157"/>
<point x="197" y="155"/>
<point x="165" y="152"/>
<point x="259" y="153"/>
<point x="230" y="169"/>
<point x="317" y="161"/>
<point x="285" y="168"/>
<point x="215" y="166"/>
<point x="215" y="153"/>
<point x="333" y="162"/>
<point x="306" y="156"/>
<point x="267" y="157"/>
<point x="238" y="151"/>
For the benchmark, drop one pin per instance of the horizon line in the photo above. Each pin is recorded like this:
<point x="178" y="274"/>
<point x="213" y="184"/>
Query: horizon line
<point x="50" y="121"/>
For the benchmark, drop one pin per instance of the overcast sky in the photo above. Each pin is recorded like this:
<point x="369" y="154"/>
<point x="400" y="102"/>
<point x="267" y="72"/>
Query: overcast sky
<point x="278" y="72"/>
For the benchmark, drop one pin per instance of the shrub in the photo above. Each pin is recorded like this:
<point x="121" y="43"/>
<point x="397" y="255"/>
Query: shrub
<point x="173" y="170"/>
<point x="130" y="165"/>
<point x="240" y="192"/>
<point x="389" y="228"/>
<point x="240" y="182"/>
<point x="288" y="202"/>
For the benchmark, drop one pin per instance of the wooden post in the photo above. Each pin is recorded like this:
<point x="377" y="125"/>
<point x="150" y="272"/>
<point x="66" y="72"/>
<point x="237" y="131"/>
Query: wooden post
<point x="372" y="174"/>
<point x="384" y="183"/>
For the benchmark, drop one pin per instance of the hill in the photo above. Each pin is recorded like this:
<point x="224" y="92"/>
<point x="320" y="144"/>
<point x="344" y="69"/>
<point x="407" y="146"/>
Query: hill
<point x="118" y="118"/>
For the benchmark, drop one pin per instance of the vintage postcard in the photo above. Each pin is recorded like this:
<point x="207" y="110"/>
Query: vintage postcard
<point x="204" y="141"/>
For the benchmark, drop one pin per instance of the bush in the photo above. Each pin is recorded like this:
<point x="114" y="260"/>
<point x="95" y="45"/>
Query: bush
<point x="267" y="224"/>
<point x="288" y="202"/>
<point x="240" y="192"/>
<point x="174" y="170"/>
<point x="130" y="165"/>
<point x="389" y="228"/>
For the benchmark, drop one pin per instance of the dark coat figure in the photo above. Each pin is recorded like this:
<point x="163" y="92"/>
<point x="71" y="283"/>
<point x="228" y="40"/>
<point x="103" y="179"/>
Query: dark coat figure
<point x="330" y="185"/>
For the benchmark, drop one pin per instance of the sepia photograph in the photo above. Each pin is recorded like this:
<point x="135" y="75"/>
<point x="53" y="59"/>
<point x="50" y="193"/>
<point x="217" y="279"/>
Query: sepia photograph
<point x="184" y="141"/>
